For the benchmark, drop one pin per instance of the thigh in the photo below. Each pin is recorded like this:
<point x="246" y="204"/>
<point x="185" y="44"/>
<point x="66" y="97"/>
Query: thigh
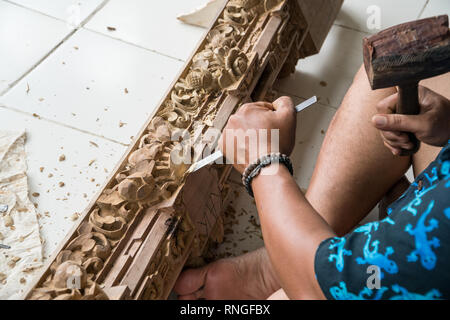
<point x="354" y="169"/>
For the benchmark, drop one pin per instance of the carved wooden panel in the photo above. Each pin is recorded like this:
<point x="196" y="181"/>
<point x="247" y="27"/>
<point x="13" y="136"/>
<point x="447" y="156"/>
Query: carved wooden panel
<point x="137" y="234"/>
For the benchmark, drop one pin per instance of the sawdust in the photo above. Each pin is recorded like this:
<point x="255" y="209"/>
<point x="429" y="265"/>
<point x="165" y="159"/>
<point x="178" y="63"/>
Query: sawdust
<point x="74" y="217"/>
<point x="93" y="143"/>
<point x="9" y="221"/>
<point x="12" y="262"/>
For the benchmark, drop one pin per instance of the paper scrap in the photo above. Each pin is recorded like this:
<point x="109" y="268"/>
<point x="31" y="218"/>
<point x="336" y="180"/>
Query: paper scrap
<point x="18" y="220"/>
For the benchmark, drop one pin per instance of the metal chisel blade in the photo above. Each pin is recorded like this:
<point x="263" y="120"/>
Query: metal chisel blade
<point x="306" y="104"/>
<point x="206" y="161"/>
<point x="218" y="154"/>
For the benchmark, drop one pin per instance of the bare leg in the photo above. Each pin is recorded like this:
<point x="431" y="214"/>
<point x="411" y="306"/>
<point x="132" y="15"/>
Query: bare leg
<point x="354" y="169"/>
<point x="353" y="173"/>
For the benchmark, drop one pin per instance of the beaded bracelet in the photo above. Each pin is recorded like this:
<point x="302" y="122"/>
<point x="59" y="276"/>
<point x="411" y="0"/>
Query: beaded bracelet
<point x="254" y="169"/>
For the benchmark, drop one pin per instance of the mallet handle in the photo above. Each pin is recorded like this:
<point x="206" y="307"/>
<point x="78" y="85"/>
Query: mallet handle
<point x="409" y="104"/>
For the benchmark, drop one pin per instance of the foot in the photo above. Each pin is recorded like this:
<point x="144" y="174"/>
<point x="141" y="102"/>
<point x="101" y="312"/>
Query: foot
<point x="248" y="277"/>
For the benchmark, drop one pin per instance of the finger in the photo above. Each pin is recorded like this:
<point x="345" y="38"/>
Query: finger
<point x="400" y="145"/>
<point x="191" y="281"/>
<point x="388" y="105"/>
<point x="397" y="122"/>
<point x="284" y="105"/>
<point x="253" y="105"/>
<point x="394" y="151"/>
<point x="398" y="137"/>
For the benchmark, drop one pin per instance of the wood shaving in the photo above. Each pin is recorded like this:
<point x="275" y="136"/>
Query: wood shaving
<point x="13" y="261"/>
<point x="62" y="157"/>
<point x="9" y="222"/>
<point x="74" y="217"/>
<point x="93" y="143"/>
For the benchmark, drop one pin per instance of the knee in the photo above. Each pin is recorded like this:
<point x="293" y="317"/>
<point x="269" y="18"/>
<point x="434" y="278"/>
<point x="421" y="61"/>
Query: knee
<point x="360" y="79"/>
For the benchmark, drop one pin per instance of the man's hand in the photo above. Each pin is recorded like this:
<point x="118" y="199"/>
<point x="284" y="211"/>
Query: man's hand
<point x="431" y="126"/>
<point x="243" y="141"/>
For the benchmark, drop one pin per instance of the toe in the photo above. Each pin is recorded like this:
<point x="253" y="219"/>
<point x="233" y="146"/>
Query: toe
<point x="190" y="281"/>
<point x="194" y="296"/>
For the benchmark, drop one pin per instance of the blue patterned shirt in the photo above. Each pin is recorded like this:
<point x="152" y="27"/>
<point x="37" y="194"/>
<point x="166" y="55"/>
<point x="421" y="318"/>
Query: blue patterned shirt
<point x="403" y="257"/>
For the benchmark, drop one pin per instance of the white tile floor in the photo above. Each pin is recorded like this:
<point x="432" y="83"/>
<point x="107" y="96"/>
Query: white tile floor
<point x="75" y="80"/>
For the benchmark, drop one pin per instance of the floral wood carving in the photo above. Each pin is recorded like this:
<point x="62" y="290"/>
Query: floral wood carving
<point x="225" y="64"/>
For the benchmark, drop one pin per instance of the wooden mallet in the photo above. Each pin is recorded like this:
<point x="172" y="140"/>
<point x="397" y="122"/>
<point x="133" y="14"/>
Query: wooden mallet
<point x="403" y="56"/>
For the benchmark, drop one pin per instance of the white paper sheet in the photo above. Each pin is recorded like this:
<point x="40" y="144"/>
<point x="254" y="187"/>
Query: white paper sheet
<point x="18" y="264"/>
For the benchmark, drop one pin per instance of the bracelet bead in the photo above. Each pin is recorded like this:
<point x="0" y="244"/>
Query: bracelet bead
<point x="254" y="169"/>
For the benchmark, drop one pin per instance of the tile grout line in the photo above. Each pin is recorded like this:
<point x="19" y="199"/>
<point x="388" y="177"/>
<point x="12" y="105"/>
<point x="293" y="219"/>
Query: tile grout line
<point x="64" y="125"/>
<point x="351" y="28"/>
<point x="423" y="9"/>
<point x="134" y="44"/>
<point x="32" y="10"/>
<point x="88" y="18"/>
<point x="14" y="83"/>
<point x="67" y="37"/>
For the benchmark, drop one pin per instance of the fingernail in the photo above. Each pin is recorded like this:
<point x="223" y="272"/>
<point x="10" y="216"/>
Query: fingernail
<point x="380" y="121"/>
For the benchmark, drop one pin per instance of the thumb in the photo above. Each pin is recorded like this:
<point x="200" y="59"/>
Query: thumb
<point x="397" y="122"/>
<point x="284" y="104"/>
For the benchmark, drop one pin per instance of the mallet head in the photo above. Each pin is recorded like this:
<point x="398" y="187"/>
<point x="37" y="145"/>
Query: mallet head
<point x="408" y="53"/>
